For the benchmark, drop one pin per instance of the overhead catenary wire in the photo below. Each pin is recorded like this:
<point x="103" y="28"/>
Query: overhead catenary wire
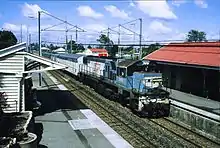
<point x="64" y="21"/>
<point x="172" y="45"/>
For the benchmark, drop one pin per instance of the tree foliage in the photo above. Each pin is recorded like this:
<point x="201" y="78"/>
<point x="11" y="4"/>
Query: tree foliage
<point x="196" y="36"/>
<point x="103" y="39"/>
<point x="108" y="44"/>
<point x="7" y="38"/>
<point x="75" y="47"/>
<point x="89" y="47"/>
<point x="151" y="48"/>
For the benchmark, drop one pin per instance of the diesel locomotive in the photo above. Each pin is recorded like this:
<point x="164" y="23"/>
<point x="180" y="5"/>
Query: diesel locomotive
<point x="134" y="83"/>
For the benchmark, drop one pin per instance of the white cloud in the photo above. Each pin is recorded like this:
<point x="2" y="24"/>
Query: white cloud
<point x="87" y="11"/>
<point x="156" y="9"/>
<point x="131" y="4"/>
<point x="159" y="28"/>
<point x="212" y="35"/>
<point x="13" y="27"/>
<point x="95" y="27"/>
<point x="201" y="3"/>
<point x="178" y="36"/>
<point x="31" y="10"/>
<point x="178" y="2"/>
<point x="115" y="12"/>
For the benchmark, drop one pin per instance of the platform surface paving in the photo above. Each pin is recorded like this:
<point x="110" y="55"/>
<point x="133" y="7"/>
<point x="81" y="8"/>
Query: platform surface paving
<point x="199" y="102"/>
<point x="64" y="122"/>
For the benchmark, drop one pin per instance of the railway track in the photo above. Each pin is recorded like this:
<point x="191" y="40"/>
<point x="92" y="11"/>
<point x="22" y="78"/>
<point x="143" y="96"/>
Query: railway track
<point x="128" y="130"/>
<point x="137" y="131"/>
<point x="188" y="135"/>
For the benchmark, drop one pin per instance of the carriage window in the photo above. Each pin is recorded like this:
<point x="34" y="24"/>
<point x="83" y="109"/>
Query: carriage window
<point x="113" y="65"/>
<point x="121" y="72"/>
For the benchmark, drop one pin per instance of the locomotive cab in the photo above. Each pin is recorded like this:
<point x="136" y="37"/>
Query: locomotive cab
<point x="144" y="83"/>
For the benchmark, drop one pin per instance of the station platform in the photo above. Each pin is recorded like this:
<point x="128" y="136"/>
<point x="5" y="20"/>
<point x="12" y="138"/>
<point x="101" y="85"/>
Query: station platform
<point x="64" y="122"/>
<point x="196" y="101"/>
<point x="199" y="105"/>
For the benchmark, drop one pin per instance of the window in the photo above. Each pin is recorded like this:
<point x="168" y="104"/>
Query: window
<point x="121" y="72"/>
<point x="113" y="65"/>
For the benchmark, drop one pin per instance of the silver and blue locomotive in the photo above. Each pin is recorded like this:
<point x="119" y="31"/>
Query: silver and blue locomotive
<point x="134" y="83"/>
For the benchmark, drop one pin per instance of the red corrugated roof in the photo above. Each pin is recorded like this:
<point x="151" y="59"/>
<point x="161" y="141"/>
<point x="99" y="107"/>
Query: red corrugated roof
<point x="98" y="50"/>
<point x="199" y="53"/>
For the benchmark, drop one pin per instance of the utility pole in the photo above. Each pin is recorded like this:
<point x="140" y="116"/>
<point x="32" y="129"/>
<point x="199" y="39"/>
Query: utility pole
<point x="76" y="34"/>
<point x="29" y="49"/>
<point x="21" y="33"/>
<point x="27" y="45"/>
<point x="108" y="32"/>
<point x="71" y="46"/>
<point x="39" y="43"/>
<point x="119" y="50"/>
<point x="108" y="39"/>
<point x="140" y="55"/>
<point x="66" y="35"/>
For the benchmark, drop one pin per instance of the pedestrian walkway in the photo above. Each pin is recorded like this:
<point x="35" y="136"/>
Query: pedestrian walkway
<point x="64" y="122"/>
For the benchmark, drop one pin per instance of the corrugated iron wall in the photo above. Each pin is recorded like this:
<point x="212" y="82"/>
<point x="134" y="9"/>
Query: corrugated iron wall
<point x="12" y="84"/>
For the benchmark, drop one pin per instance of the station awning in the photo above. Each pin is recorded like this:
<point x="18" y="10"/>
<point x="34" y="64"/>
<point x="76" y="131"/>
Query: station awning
<point x="29" y="60"/>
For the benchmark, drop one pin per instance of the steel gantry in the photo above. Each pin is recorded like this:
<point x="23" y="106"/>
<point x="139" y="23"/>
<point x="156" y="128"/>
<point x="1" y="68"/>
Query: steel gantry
<point x="130" y="30"/>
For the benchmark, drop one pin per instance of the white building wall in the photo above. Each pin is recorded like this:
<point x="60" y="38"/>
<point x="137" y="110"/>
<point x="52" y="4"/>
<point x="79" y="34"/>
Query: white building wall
<point x="12" y="84"/>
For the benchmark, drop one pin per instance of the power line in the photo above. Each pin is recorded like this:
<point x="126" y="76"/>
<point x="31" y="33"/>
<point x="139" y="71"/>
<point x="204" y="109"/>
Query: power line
<point x="186" y="44"/>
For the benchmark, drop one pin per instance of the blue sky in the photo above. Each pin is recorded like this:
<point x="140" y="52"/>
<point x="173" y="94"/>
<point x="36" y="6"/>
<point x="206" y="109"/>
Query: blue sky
<point x="162" y="20"/>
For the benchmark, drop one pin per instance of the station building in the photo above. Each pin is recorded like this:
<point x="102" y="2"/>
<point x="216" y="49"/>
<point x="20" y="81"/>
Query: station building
<point x="192" y="68"/>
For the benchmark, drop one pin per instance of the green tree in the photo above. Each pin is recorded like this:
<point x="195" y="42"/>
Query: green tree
<point x="80" y="47"/>
<point x="196" y="36"/>
<point x="108" y="44"/>
<point x="103" y="39"/>
<point x="74" y="46"/>
<point x="89" y="47"/>
<point x="113" y="50"/>
<point x="151" y="48"/>
<point x="7" y="38"/>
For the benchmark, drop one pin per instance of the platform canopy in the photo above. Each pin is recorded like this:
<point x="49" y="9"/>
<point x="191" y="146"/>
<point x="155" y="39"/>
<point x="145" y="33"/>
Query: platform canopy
<point x="26" y="63"/>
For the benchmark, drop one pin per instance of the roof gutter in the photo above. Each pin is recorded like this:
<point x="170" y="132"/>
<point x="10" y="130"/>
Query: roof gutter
<point x="187" y="65"/>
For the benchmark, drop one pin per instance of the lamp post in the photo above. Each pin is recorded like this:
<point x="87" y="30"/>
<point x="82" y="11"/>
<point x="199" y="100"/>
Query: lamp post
<point x="39" y="43"/>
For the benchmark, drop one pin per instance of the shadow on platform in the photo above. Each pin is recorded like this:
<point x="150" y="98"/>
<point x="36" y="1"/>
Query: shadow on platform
<point x="211" y="110"/>
<point x="52" y="100"/>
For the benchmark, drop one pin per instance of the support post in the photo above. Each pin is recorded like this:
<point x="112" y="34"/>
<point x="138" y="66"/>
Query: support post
<point x="119" y="49"/>
<point x="66" y="36"/>
<point x="39" y="42"/>
<point x="76" y="34"/>
<point x="205" y="92"/>
<point x="71" y="46"/>
<point x="27" y="42"/>
<point x="108" y="33"/>
<point x="29" y="49"/>
<point x="21" y="33"/>
<point x="140" y="55"/>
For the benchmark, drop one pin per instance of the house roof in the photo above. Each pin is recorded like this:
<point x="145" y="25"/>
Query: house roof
<point x="20" y="48"/>
<point x="59" y="49"/>
<point x="98" y="50"/>
<point x="196" y="53"/>
<point x="126" y="63"/>
<point x="44" y="48"/>
<point x="12" y="49"/>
